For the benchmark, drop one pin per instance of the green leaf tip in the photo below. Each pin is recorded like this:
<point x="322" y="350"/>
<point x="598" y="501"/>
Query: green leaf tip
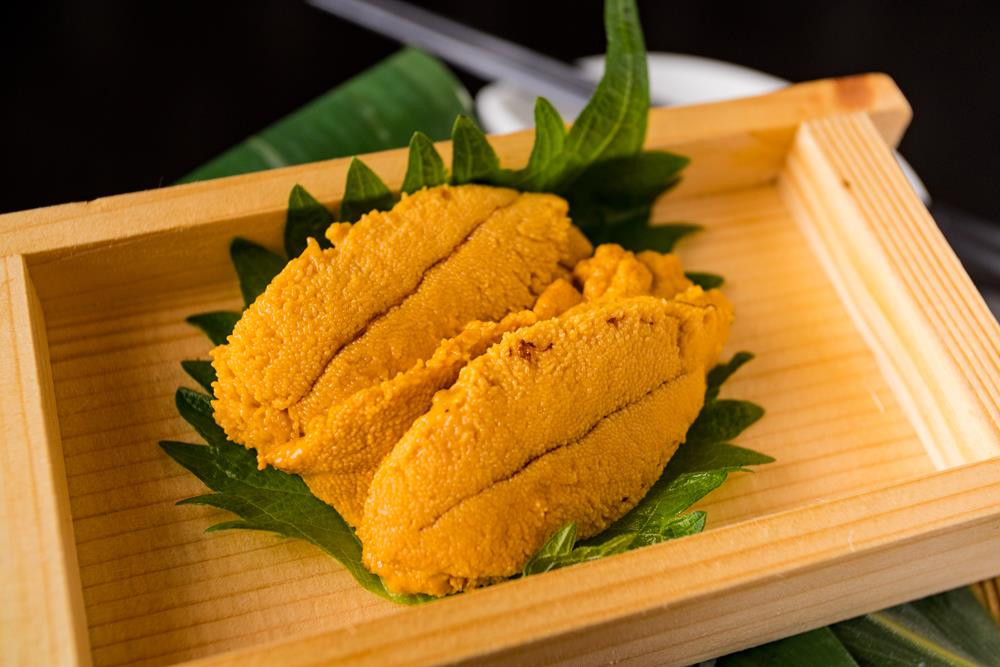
<point x="722" y="372"/>
<point x="705" y="280"/>
<point x="473" y="159"/>
<point x="723" y="420"/>
<point x="256" y="267"/>
<point x="217" y="325"/>
<point x="547" y="159"/>
<point x="306" y="218"/>
<point x="201" y="371"/>
<point x="560" y="551"/>
<point x="363" y="192"/>
<point x="613" y="124"/>
<point x="196" y="409"/>
<point x="268" y="500"/>
<point x="424" y="168"/>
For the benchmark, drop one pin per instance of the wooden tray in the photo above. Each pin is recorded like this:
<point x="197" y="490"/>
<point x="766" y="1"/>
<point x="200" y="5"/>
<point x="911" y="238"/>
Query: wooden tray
<point x="876" y="359"/>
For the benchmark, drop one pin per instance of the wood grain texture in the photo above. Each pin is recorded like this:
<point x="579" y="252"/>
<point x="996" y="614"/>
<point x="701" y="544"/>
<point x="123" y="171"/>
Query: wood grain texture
<point x="933" y="335"/>
<point x="42" y="619"/>
<point x="703" y="596"/>
<point x="158" y="590"/>
<point x="851" y="517"/>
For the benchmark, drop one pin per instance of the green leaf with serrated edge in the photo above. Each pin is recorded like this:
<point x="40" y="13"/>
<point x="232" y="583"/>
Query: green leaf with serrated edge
<point x="560" y="544"/>
<point x="378" y="109"/>
<point x="694" y="471"/>
<point x="606" y="224"/>
<point x="714" y="456"/>
<point x="630" y="180"/>
<point x="667" y="498"/>
<point x="547" y="154"/>
<point x="196" y="409"/>
<point x="948" y="629"/>
<point x="671" y="529"/>
<point x="691" y="474"/>
<point x="661" y="238"/>
<point x="276" y="502"/>
<point x="217" y="325"/>
<point x="612" y="201"/>
<point x="810" y="649"/>
<point x="705" y="280"/>
<point x="201" y="371"/>
<point x="306" y="218"/>
<point x="558" y="551"/>
<point x="424" y="167"/>
<point x="472" y="158"/>
<point x="613" y="123"/>
<point x="256" y="267"/>
<point x="363" y="193"/>
<point x="723" y="420"/>
<point x="723" y="372"/>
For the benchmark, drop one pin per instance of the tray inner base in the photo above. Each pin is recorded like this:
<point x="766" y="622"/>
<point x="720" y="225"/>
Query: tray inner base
<point x="158" y="590"/>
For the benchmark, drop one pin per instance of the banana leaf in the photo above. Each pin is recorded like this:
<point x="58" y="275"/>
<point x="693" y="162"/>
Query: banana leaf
<point x="947" y="630"/>
<point x="378" y="109"/>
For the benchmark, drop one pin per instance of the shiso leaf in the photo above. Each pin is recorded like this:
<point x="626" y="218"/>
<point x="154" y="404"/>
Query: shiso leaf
<point x="630" y="180"/>
<point x="545" y="165"/>
<point x="559" y="551"/>
<point x="473" y="159"/>
<point x="201" y="371"/>
<point x="613" y="124"/>
<point x="217" y="325"/>
<point x="722" y="420"/>
<point x="424" y="168"/>
<point x="267" y="500"/>
<point x="306" y="218"/>
<point x="196" y="409"/>
<point x="716" y="456"/>
<point x="661" y="238"/>
<point x="364" y="192"/>
<point x="722" y="372"/>
<point x="256" y="267"/>
<point x="705" y="280"/>
<point x="559" y="545"/>
<point x="671" y="529"/>
<point x="612" y="200"/>
<point x="809" y="649"/>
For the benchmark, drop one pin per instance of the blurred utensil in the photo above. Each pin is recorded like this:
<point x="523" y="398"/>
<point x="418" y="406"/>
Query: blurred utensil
<point x="474" y="51"/>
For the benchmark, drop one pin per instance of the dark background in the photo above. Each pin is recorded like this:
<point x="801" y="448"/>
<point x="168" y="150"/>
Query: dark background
<point x="107" y="97"/>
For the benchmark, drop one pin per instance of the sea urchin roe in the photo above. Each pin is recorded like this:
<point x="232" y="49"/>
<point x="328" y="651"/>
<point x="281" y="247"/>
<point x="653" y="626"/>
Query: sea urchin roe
<point x="519" y="445"/>
<point x="342" y="448"/>
<point x="324" y="298"/>
<point x="614" y="272"/>
<point x="502" y="266"/>
<point x="403" y="376"/>
<point x="339" y="320"/>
